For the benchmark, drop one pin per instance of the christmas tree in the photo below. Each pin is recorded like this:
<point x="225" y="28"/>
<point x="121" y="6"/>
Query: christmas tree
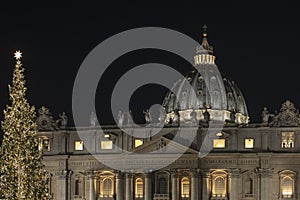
<point x="22" y="173"/>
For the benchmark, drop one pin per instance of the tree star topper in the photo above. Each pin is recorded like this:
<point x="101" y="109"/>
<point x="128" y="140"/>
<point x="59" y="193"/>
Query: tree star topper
<point x="18" y="55"/>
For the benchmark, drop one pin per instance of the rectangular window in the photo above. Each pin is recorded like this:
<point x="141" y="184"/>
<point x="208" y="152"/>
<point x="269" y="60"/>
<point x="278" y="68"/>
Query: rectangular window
<point x="138" y="142"/>
<point x="249" y="143"/>
<point x="219" y="143"/>
<point x="106" y="144"/>
<point x="78" y="145"/>
<point x="287" y="140"/>
<point x="44" y="144"/>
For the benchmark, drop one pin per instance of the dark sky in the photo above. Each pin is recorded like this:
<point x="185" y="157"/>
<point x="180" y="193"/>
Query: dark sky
<point x="257" y="45"/>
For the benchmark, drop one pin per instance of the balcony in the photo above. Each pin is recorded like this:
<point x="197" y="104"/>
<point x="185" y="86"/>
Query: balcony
<point x="161" y="197"/>
<point x="78" y="197"/>
<point x="219" y="197"/>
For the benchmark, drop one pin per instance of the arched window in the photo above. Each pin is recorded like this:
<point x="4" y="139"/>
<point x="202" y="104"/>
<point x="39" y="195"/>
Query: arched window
<point x="185" y="187"/>
<point x="163" y="186"/>
<point x="139" y="188"/>
<point x="76" y="187"/>
<point x="107" y="187"/>
<point x="219" y="186"/>
<point x="287" y="187"/>
<point x="248" y="186"/>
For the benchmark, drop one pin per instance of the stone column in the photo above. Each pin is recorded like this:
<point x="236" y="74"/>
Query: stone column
<point x="119" y="186"/>
<point x="206" y="184"/>
<point x="175" y="185"/>
<point x="129" y="187"/>
<point x="194" y="184"/>
<point x="265" y="175"/>
<point x="61" y="184"/>
<point x="90" y="185"/>
<point x="148" y="184"/>
<point x="235" y="187"/>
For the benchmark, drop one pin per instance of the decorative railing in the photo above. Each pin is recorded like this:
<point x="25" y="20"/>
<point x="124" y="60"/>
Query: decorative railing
<point x="161" y="197"/>
<point x="78" y="197"/>
<point x="219" y="197"/>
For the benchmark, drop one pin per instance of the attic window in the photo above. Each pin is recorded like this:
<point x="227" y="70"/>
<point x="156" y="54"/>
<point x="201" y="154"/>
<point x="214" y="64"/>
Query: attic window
<point x="249" y="143"/>
<point x="138" y="142"/>
<point x="219" y="143"/>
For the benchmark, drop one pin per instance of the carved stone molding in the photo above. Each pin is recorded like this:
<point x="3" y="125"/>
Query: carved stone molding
<point x="265" y="172"/>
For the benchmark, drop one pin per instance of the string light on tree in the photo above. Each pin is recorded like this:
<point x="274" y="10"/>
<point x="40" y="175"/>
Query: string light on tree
<point x="22" y="173"/>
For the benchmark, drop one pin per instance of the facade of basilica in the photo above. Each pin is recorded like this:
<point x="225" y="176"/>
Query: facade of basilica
<point x="243" y="161"/>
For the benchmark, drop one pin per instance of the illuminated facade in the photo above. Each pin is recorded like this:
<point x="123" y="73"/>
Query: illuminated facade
<point x="247" y="162"/>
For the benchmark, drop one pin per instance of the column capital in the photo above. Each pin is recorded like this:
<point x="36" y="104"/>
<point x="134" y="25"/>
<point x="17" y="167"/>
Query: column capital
<point x="128" y="175"/>
<point x="90" y="174"/>
<point x="119" y="175"/>
<point x="195" y="173"/>
<point x="264" y="172"/>
<point x="174" y="173"/>
<point x="205" y="173"/>
<point x="234" y="172"/>
<point x="61" y="174"/>
<point x="147" y="175"/>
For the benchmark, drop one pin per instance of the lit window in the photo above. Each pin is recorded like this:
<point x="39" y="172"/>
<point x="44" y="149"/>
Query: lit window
<point x="219" y="143"/>
<point x="287" y="139"/>
<point x="219" y="184"/>
<point x="139" y="188"/>
<point x="287" y="187"/>
<point x="44" y="144"/>
<point x="138" y="142"/>
<point x="106" y="135"/>
<point x="107" y="188"/>
<point x="219" y="187"/>
<point x="78" y="145"/>
<point x="249" y="143"/>
<point x="287" y="184"/>
<point x="185" y="187"/>
<point x="106" y="144"/>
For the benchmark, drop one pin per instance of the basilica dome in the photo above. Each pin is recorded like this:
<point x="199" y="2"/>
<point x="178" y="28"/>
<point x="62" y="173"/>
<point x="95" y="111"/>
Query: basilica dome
<point x="206" y="90"/>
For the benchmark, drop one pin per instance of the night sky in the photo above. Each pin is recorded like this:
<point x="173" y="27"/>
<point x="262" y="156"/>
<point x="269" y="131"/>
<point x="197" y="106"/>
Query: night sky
<point x="257" y="45"/>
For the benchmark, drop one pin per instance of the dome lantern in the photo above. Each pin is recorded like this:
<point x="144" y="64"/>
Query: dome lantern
<point x="204" y="52"/>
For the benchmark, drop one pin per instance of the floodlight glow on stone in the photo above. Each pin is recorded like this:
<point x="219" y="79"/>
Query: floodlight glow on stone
<point x="18" y="55"/>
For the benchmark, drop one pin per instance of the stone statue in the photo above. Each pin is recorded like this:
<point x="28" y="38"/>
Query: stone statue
<point x="232" y="117"/>
<point x="176" y="116"/>
<point x="162" y="115"/>
<point x="206" y="116"/>
<point x="93" y="119"/>
<point x="265" y="115"/>
<point x="147" y="116"/>
<point x="129" y="117"/>
<point x="63" y="119"/>
<point x="120" y="118"/>
<point x="193" y="117"/>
